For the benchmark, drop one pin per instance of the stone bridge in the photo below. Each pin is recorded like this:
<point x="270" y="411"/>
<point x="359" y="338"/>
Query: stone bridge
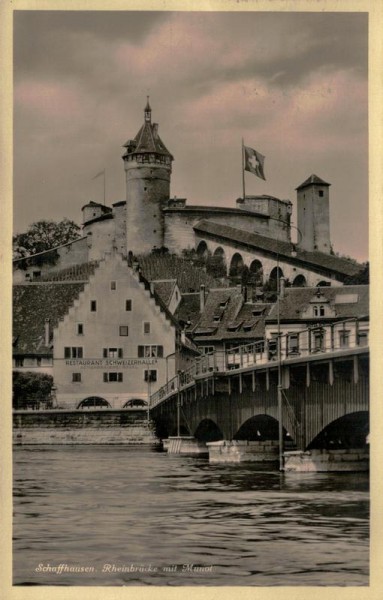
<point x="234" y="396"/>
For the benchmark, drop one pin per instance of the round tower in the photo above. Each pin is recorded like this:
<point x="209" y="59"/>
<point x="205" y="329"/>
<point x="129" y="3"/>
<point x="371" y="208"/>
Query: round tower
<point x="313" y="201"/>
<point x="148" y="167"/>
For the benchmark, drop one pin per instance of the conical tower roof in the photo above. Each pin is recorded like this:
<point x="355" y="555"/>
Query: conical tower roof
<point x="147" y="139"/>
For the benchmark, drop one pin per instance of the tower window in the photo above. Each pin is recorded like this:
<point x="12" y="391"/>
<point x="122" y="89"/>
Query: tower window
<point x="320" y="193"/>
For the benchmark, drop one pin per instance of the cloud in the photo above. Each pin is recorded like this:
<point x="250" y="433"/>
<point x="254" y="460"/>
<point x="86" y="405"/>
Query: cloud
<point x="293" y="84"/>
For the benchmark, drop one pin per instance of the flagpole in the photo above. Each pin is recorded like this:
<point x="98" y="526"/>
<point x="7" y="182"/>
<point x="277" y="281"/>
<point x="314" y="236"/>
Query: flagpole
<point x="243" y="170"/>
<point x="104" y="186"/>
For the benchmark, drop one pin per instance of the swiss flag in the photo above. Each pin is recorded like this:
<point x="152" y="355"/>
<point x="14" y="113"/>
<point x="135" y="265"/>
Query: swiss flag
<point x="254" y="162"/>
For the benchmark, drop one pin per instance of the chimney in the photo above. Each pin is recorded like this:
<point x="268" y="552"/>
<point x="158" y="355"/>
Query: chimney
<point x="183" y="337"/>
<point x="282" y="285"/>
<point x="47" y="332"/>
<point x="151" y="285"/>
<point x="201" y="298"/>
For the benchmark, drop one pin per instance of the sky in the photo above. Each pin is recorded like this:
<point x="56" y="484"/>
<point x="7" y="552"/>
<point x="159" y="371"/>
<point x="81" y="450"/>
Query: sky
<point x="293" y="85"/>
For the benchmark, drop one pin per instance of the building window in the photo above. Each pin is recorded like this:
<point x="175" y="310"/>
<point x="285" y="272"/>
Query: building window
<point x="128" y="305"/>
<point x="112" y="353"/>
<point x="150" y="375"/>
<point x="150" y="351"/>
<point x="38" y="361"/>
<point x="208" y="349"/>
<point x="344" y="338"/>
<point x="73" y="352"/>
<point x="363" y="338"/>
<point x="293" y="343"/>
<point x="319" y="311"/>
<point x="124" y="330"/>
<point x="320" y="193"/>
<point x="76" y="377"/>
<point x="113" y="285"/>
<point x="146" y="328"/>
<point x="80" y="329"/>
<point x="19" y="362"/>
<point x="93" y="305"/>
<point x="112" y="377"/>
<point x="318" y="339"/>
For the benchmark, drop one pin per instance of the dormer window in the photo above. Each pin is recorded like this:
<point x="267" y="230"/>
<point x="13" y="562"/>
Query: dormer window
<point x="319" y="310"/>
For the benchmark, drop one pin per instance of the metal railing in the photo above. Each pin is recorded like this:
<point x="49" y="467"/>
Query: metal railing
<point x="318" y="339"/>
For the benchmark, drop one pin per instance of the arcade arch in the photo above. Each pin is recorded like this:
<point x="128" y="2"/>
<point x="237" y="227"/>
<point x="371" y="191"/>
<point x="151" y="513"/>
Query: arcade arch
<point x="299" y="281"/>
<point x="236" y="265"/>
<point x="94" y="402"/>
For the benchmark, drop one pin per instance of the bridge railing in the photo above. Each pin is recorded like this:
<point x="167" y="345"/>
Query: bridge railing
<point x="320" y="338"/>
<point x="316" y="339"/>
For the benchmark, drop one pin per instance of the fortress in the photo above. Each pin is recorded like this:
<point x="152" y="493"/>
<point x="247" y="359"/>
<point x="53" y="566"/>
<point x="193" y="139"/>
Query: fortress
<point x="256" y="232"/>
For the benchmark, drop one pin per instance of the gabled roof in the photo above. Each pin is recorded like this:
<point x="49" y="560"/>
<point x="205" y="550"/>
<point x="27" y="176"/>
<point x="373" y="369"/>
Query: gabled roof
<point x="80" y="272"/>
<point x="312" y="180"/>
<point x="237" y="320"/>
<point x="189" y="278"/>
<point x="188" y="310"/>
<point x="346" y="301"/>
<point x="165" y="289"/>
<point x="270" y="246"/>
<point x="33" y="303"/>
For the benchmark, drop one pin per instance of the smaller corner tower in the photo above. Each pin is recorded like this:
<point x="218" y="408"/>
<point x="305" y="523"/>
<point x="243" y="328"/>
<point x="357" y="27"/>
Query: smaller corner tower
<point x="148" y="167"/>
<point x="314" y="215"/>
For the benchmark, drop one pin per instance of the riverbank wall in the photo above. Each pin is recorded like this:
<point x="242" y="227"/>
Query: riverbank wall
<point x="62" y="427"/>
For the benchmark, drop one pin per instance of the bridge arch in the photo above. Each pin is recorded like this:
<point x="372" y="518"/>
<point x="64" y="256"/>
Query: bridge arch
<point x="208" y="431"/>
<point x="299" y="281"/>
<point x="260" y="427"/>
<point x="348" y="431"/>
<point x="94" y="402"/>
<point x="236" y="265"/>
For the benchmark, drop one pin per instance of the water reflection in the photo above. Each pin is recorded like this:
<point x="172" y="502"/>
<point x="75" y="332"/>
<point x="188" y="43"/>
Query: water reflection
<point x="148" y="514"/>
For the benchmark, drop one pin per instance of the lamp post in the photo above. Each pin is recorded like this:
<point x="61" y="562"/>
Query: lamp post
<point x="279" y="352"/>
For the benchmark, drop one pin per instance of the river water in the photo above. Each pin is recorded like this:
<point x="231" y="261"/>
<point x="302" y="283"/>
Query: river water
<point x="119" y="516"/>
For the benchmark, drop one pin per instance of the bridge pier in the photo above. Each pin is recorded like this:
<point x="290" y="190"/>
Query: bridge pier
<point x="186" y="445"/>
<point x="238" y="451"/>
<point x="326" y="461"/>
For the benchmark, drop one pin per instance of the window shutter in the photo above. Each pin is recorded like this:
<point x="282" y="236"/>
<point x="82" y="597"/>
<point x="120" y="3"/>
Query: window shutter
<point x="105" y="377"/>
<point x="66" y="352"/>
<point x="140" y="351"/>
<point x="105" y="352"/>
<point x="79" y="352"/>
<point x="120" y="353"/>
<point x="119" y="376"/>
<point x="160" y="351"/>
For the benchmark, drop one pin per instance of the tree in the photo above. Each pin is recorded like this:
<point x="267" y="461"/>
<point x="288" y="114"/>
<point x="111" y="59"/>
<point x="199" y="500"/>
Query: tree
<point x="44" y="235"/>
<point x="30" y="390"/>
<point x="363" y="277"/>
